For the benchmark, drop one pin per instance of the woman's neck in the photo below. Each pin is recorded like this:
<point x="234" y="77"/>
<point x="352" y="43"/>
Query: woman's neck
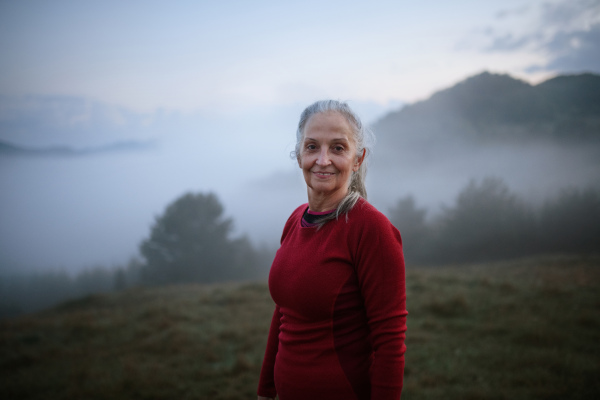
<point x="320" y="202"/>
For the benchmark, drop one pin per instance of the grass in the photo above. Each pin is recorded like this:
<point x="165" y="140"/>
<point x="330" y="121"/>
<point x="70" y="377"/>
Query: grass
<point x="525" y="329"/>
<point x="519" y="330"/>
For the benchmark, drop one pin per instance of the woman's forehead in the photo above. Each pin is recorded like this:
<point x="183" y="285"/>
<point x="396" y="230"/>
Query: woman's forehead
<point x="329" y="122"/>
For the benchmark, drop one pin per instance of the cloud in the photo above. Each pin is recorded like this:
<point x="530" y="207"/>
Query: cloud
<point x="576" y="51"/>
<point x="507" y="13"/>
<point x="566" y="33"/>
<point x="569" y="14"/>
<point x="510" y="42"/>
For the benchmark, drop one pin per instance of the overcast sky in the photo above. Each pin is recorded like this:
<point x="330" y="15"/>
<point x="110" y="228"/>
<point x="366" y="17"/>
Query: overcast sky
<point x="216" y="88"/>
<point x="207" y="55"/>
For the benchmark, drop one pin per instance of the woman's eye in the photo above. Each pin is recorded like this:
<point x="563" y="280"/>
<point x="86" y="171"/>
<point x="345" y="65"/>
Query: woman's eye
<point x="338" y="148"/>
<point x="311" y="147"/>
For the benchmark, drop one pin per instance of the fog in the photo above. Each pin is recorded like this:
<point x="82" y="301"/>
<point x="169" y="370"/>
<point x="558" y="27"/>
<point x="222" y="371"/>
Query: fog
<point x="93" y="208"/>
<point x="89" y="208"/>
<point x="210" y="101"/>
<point x="435" y="175"/>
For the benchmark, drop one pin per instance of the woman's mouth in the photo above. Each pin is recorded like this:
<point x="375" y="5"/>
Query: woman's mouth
<point x="323" y="174"/>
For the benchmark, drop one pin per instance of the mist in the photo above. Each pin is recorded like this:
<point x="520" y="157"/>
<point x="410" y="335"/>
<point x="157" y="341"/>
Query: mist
<point x="101" y="128"/>
<point x="466" y="177"/>
<point x="88" y="192"/>
<point x="89" y="206"/>
<point x="94" y="209"/>
<point x="434" y="176"/>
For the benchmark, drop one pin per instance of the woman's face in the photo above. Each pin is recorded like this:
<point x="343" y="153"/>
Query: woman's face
<point x="328" y="155"/>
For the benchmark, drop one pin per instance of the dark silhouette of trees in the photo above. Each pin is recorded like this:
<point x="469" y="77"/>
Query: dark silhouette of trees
<point x="190" y="243"/>
<point x="415" y="230"/>
<point x="571" y="222"/>
<point x="20" y="293"/>
<point x="488" y="222"/>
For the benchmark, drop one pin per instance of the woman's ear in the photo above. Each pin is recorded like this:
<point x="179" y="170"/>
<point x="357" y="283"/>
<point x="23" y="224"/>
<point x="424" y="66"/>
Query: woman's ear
<point x="359" y="160"/>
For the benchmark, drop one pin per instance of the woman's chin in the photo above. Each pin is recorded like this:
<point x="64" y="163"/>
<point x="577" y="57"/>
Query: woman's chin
<point x="320" y="189"/>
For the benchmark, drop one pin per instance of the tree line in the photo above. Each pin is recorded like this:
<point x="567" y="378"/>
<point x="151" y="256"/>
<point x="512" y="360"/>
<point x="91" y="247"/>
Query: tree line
<point x="191" y="242"/>
<point x="488" y="222"/>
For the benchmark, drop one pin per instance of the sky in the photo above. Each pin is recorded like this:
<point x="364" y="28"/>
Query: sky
<point x="219" y="56"/>
<point x="215" y="89"/>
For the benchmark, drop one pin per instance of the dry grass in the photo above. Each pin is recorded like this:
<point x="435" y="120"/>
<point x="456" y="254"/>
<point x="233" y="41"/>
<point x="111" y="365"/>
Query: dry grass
<point x="526" y="329"/>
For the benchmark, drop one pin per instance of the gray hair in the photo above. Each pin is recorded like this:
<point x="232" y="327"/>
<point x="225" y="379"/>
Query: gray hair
<point x="364" y="139"/>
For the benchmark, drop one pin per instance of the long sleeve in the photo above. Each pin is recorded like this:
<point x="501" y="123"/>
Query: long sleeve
<point x="266" y="383"/>
<point x="381" y="275"/>
<point x="338" y="330"/>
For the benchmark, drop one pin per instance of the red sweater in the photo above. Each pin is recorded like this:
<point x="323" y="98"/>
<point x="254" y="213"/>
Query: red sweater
<point x="340" y="318"/>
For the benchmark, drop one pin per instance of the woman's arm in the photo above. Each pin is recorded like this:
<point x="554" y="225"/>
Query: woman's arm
<point x="380" y="270"/>
<point x="266" y="384"/>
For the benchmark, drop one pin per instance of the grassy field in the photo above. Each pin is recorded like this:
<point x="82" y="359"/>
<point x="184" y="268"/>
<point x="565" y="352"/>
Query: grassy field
<point x="526" y="329"/>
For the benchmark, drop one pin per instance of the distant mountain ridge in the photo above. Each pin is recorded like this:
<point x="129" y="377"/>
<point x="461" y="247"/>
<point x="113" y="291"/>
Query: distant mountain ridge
<point x="501" y="108"/>
<point x="9" y="149"/>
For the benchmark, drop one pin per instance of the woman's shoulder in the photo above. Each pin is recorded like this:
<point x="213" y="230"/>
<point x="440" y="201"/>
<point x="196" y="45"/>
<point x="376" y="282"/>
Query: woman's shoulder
<point x="368" y="224"/>
<point x="365" y="211"/>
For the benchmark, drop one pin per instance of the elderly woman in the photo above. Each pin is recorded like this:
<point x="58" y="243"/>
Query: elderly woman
<point x="338" y="278"/>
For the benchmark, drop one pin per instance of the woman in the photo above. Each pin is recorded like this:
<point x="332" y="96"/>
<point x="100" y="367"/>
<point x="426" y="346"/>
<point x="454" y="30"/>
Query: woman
<point x="338" y="278"/>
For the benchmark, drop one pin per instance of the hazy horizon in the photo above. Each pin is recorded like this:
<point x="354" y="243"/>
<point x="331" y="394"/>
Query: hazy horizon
<point x="217" y="89"/>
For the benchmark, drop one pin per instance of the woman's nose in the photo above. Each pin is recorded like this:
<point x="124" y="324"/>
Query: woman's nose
<point x="323" y="158"/>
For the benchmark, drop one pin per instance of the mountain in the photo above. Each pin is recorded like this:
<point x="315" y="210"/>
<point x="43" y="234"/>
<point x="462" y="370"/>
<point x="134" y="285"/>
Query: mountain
<point x="536" y="138"/>
<point x="498" y="108"/>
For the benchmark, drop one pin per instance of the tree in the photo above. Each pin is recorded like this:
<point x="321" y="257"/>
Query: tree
<point x="412" y="225"/>
<point x="571" y="222"/>
<point x="189" y="243"/>
<point x="488" y="222"/>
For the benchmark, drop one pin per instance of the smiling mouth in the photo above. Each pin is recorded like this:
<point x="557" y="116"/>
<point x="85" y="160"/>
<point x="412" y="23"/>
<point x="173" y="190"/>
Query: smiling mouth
<point x="323" y="174"/>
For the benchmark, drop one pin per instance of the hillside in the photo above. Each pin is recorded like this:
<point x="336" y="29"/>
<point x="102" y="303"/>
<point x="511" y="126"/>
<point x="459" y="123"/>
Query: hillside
<point x="525" y="329"/>
<point x="503" y="109"/>
<point x="539" y="139"/>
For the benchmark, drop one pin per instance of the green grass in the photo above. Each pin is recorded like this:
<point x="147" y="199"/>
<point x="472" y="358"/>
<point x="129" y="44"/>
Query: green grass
<point x="526" y="329"/>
